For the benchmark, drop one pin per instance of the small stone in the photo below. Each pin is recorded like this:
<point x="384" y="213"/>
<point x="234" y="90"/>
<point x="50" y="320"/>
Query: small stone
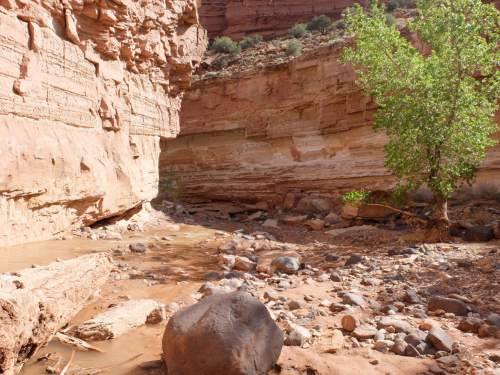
<point x="297" y="336"/>
<point x="331" y="257"/>
<point x="448" y="360"/>
<point x="450" y="305"/>
<point x="494" y="319"/>
<point x="270" y="223"/>
<point x="336" y="342"/>
<point x="332" y="218"/>
<point x="271" y="295"/>
<point x="353" y="299"/>
<point x="315" y="224"/>
<point x="364" y="332"/>
<point x="383" y="345"/>
<point x="289" y="265"/>
<point x="349" y="323"/>
<point x="353" y="259"/>
<point x="412" y="297"/>
<point x="411" y="351"/>
<point x="295" y="304"/>
<point x="399" y="325"/>
<point x="137" y="248"/>
<point x="243" y="264"/>
<point x="440" y="339"/>
<point x="399" y="347"/>
<point x="485" y="330"/>
<point x="335" y="276"/>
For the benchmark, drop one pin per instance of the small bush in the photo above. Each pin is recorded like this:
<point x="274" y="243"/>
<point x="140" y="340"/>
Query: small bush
<point x="320" y="23"/>
<point x="392" y="5"/>
<point x="170" y="187"/>
<point x="390" y="19"/>
<point x="355" y="196"/>
<point x="294" y="47"/>
<point x="225" y="44"/>
<point x="250" y="41"/>
<point x="298" y="30"/>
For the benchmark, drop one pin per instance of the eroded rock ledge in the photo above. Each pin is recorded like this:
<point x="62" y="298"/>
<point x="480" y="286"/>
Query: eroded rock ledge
<point x="269" y="125"/>
<point x="87" y="90"/>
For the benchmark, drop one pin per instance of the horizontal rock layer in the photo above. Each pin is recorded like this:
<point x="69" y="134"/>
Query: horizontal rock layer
<point x="300" y="126"/>
<point x="270" y="18"/>
<point x="86" y="92"/>
<point x="237" y="18"/>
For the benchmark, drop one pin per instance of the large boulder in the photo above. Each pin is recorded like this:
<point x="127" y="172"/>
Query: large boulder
<point x="231" y="334"/>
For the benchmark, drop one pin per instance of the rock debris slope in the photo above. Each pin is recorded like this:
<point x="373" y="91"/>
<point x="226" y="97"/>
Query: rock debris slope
<point x="87" y="89"/>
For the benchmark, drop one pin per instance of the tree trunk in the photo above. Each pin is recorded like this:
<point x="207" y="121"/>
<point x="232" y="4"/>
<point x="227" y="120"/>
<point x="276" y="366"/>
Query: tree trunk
<point x="442" y="221"/>
<point x="36" y="302"/>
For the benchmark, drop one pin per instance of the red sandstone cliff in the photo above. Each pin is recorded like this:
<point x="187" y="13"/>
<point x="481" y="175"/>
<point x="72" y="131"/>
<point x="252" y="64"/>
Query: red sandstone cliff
<point x="270" y="125"/>
<point x="237" y="18"/>
<point x="86" y="92"/>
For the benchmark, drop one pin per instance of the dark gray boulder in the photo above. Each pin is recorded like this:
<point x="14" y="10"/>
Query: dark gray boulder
<point x="231" y="334"/>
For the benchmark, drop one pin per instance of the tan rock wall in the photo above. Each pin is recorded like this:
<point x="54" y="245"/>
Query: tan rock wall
<point x="86" y="92"/>
<point x="300" y="126"/>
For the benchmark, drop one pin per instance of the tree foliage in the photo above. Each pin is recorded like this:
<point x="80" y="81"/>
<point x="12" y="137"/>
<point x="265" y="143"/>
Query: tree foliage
<point x="437" y="95"/>
<point x="320" y="23"/>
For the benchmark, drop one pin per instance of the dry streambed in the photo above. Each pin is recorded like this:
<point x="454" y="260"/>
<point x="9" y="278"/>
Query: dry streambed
<point x="341" y="308"/>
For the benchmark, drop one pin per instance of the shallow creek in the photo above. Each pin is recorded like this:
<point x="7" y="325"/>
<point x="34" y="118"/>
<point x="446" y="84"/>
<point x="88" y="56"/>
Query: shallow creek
<point x="182" y="259"/>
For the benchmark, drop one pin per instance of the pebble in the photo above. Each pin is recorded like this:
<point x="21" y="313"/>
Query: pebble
<point x="137" y="248"/>
<point x="353" y="259"/>
<point x="440" y="339"/>
<point x="353" y="299"/>
<point x="450" y="305"/>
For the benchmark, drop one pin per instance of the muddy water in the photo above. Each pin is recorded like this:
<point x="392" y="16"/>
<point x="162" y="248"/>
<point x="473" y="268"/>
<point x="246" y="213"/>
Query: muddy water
<point x="183" y="260"/>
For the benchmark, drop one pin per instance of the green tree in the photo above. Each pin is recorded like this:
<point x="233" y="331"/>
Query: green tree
<point x="437" y="95"/>
<point x="320" y="23"/>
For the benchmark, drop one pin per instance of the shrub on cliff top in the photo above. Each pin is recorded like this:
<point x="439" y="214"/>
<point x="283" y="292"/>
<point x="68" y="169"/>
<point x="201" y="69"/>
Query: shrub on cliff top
<point x="294" y="47"/>
<point x="298" y="30"/>
<point x="225" y="44"/>
<point x="437" y="107"/>
<point x="250" y="41"/>
<point x="320" y="23"/>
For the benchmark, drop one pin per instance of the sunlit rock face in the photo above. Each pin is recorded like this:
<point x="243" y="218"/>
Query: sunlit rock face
<point x="237" y="18"/>
<point x="298" y="127"/>
<point x="86" y="93"/>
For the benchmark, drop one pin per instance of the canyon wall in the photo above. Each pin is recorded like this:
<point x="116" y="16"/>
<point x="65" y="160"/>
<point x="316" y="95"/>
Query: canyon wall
<point x="87" y="89"/>
<point x="269" y="18"/>
<point x="298" y="126"/>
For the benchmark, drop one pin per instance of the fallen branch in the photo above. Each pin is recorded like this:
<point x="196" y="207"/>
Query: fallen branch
<point x="66" y="368"/>
<point x="76" y="343"/>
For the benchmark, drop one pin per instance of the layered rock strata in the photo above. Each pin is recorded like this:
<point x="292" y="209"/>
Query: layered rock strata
<point x="87" y="88"/>
<point x="301" y="125"/>
<point x="237" y="18"/>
